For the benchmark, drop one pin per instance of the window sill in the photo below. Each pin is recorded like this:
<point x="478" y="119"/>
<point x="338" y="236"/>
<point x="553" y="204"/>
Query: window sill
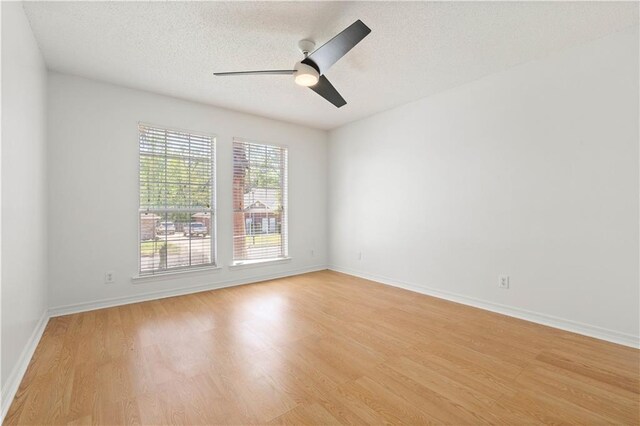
<point x="258" y="263"/>
<point x="141" y="279"/>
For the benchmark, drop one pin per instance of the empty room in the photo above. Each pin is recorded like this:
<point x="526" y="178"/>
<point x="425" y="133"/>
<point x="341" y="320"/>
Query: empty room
<point x="318" y="213"/>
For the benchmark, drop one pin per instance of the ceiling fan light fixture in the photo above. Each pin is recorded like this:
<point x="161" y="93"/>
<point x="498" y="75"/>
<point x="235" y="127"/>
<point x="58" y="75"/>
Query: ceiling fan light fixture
<point x="306" y="75"/>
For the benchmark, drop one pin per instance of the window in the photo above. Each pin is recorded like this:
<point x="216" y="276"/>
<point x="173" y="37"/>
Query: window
<point x="177" y="215"/>
<point x="259" y="202"/>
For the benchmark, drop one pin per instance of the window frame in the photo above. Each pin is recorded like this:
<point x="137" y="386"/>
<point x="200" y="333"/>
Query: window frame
<point x="236" y="264"/>
<point x="213" y="265"/>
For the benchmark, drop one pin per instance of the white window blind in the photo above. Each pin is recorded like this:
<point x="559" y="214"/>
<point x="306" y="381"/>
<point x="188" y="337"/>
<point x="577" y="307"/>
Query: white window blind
<point x="177" y="215"/>
<point x="259" y="202"/>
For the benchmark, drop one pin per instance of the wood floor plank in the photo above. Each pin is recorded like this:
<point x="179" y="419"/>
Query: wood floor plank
<point x="320" y="348"/>
<point x="373" y="401"/>
<point x="302" y="413"/>
<point x="434" y="404"/>
<point x="583" y="366"/>
<point x="565" y="388"/>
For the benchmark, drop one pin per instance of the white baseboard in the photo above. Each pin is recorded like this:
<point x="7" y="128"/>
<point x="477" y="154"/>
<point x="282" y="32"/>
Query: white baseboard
<point x="15" y="377"/>
<point x="544" y="319"/>
<point x="143" y="297"/>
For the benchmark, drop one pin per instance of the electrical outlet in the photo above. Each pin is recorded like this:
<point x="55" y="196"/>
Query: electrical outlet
<point x="109" y="277"/>
<point x="503" y="281"/>
<point x="360" y="255"/>
<point x="313" y="252"/>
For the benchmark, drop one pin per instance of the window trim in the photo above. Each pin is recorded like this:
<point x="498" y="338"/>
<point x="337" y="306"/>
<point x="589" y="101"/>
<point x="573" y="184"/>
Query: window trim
<point x="175" y="273"/>
<point x="241" y="264"/>
<point x="213" y="265"/>
<point x="247" y="263"/>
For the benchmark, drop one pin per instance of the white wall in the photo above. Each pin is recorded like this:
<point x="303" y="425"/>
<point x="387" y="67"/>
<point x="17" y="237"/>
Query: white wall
<point x="532" y="172"/>
<point x="93" y="189"/>
<point x="24" y="231"/>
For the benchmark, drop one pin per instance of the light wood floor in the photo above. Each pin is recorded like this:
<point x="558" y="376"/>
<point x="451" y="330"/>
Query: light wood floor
<point x="320" y="348"/>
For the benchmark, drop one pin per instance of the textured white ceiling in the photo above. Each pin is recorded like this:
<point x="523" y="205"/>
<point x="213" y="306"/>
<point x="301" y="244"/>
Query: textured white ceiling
<point x="415" y="48"/>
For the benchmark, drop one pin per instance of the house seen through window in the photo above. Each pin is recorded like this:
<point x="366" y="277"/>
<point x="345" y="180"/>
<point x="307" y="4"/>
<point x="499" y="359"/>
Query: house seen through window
<point x="259" y="201"/>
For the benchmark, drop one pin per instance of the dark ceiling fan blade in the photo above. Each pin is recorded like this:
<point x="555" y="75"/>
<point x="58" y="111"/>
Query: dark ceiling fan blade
<point x="328" y="54"/>
<point x="327" y="91"/>
<point x="264" y="72"/>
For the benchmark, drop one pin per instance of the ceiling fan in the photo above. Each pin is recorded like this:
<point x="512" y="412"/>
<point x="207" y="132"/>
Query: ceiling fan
<point x="310" y="70"/>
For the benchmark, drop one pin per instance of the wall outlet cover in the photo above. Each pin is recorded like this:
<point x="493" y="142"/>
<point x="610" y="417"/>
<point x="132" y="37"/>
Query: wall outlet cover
<point x="503" y="281"/>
